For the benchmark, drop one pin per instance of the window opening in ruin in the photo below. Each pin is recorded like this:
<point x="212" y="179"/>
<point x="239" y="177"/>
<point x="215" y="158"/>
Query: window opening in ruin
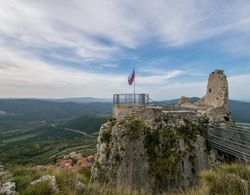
<point x="210" y="90"/>
<point x="182" y="167"/>
<point x="217" y="98"/>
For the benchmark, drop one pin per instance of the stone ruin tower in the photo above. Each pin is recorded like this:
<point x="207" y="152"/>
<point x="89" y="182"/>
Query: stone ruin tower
<point x="217" y="90"/>
<point x="215" y="103"/>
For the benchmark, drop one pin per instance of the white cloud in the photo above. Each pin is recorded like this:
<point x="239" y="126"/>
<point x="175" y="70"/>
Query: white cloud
<point x="29" y="77"/>
<point x="77" y="25"/>
<point x="100" y="31"/>
<point x="162" y="78"/>
<point x="25" y="76"/>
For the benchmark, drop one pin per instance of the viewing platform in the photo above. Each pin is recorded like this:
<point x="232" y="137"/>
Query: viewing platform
<point x="131" y="99"/>
<point x="140" y="104"/>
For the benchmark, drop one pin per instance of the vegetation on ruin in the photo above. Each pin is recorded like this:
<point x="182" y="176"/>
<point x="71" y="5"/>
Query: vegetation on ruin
<point x="164" y="155"/>
<point x="135" y="127"/>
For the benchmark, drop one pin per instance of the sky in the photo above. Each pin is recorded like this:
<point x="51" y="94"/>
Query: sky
<point x="83" y="48"/>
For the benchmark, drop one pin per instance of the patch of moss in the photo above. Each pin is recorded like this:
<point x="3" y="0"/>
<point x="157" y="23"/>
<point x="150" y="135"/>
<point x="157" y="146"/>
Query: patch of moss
<point x="101" y="174"/>
<point x="112" y="121"/>
<point x="107" y="153"/>
<point x="151" y="140"/>
<point x="135" y="127"/>
<point x="163" y="157"/>
<point x="106" y="136"/>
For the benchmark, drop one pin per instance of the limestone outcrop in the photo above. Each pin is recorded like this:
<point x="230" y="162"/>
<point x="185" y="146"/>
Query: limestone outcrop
<point x="51" y="180"/>
<point x="153" y="150"/>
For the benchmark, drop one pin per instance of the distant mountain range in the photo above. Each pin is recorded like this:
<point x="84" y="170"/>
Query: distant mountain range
<point x="39" y="110"/>
<point x="69" y="108"/>
<point x="83" y="100"/>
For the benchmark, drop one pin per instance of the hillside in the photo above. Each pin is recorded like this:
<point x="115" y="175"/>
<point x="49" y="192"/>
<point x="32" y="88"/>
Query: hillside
<point x="41" y="143"/>
<point x="39" y="110"/>
<point x="240" y="111"/>
<point x="87" y="124"/>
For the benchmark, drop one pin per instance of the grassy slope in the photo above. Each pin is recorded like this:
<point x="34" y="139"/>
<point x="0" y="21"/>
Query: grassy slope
<point x="41" y="144"/>
<point x="231" y="179"/>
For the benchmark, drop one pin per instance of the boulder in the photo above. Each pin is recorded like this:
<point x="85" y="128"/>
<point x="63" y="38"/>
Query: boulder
<point x="8" y="188"/>
<point x="47" y="178"/>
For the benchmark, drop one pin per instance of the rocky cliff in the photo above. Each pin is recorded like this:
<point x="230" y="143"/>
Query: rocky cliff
<point x="150" y="148"/>
<point x="160" y="152"/>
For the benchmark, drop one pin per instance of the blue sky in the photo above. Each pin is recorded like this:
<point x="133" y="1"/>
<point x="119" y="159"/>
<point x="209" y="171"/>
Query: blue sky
<point x="75" y="48"/>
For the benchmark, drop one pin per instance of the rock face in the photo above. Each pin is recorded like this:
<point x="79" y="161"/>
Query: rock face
<point x="215" y="102"/>
<point x="151" y="149"/>
<point x="8" y="188"/>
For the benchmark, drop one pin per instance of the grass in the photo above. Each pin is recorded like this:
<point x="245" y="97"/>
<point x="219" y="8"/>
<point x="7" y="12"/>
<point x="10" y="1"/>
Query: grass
<point x="67" y="180"/>
<point x="224" y="180"/>
<point x="227" y="179"/>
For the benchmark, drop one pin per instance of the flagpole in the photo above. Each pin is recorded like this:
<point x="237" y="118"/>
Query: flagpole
<point x="134" y="86"/>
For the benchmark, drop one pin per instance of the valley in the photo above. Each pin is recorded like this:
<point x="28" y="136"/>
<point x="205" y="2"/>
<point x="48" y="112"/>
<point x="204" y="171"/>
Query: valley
<point x="40" y="131"/>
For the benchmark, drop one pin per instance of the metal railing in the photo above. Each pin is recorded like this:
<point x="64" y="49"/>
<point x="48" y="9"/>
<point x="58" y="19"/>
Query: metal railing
<point x="138" y="99"/>
<point x="231" y="140"/>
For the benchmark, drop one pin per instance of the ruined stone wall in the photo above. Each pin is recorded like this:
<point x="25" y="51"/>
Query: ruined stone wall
<point x="147" y="112"/>
<point x="215" y="103"/>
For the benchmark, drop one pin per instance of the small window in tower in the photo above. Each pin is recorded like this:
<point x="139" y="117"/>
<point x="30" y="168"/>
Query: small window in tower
<point x="217" y="98"/>
<point x="182" y="166"/>
<point x="210" y="90"/>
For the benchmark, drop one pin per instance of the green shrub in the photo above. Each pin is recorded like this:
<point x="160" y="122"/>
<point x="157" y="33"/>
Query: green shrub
<point x="135" y="127"/>
<point x="112" y="121"/>
<point x="106" y="136"/>
<point x="163" y="156"/>
<point x="24" y="175"/>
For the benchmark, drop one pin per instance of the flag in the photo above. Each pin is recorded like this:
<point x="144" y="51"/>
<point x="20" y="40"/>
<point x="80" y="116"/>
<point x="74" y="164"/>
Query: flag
<point x="131" y="78"/>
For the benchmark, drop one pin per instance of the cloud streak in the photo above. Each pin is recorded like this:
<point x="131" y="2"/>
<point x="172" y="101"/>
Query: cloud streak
<point x="85" y="27"/>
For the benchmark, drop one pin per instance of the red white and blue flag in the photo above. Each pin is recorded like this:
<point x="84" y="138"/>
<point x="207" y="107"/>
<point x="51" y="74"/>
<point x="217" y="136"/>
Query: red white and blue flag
<point x="131" y="78"/>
